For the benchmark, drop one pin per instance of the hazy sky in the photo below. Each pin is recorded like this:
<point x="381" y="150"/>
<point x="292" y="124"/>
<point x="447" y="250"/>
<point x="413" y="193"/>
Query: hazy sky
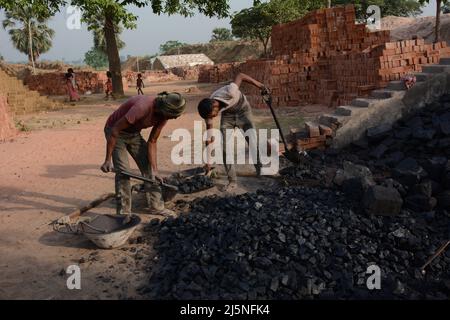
<point x="151" y="32"/>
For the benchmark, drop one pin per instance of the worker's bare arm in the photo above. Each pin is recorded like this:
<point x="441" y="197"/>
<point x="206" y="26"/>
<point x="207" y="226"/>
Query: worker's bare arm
<point x="111" y="141"/>
<point x="210" y="139"/>
<point x="242" y="77"/>
<point x="152" y="149"/>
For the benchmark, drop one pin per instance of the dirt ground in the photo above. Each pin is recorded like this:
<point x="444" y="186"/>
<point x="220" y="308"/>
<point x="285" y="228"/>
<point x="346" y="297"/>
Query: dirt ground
<point x="52" y="168"/>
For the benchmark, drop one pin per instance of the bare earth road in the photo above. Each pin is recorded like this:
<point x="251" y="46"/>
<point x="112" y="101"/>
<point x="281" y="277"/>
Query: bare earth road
<point x="47" y="173"/>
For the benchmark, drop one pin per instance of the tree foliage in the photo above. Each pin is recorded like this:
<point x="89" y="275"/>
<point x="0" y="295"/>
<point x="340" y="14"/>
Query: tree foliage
<point x="96" y="58"/>
<point x="221" y="34"/>
<point x="100" y="40"/>
<point x="400" y="8"/>
<point x="116" y="13"/>
<point x="446" y="8"/>
<point x="256" y="22"/>
<point x="28" y="30"/>
<point x="41" y="7"/>
<point x="170" y="45"/>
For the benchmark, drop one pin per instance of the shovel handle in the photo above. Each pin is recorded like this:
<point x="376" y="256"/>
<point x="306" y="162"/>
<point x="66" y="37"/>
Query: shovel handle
<point x="434" y="256"/>
<point x="137" y="177"/>
<point x="268" y="100"/>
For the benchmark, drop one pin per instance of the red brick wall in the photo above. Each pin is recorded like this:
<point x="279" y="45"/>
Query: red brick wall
<point x="53" y="83"/>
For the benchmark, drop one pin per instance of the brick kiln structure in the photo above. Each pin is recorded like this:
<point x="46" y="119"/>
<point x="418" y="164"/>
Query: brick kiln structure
<point x="327" y="58"/>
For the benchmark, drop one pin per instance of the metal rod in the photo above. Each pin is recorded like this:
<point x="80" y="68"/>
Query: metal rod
<point x="269" y="103"/>
<point x="437" y="254"/>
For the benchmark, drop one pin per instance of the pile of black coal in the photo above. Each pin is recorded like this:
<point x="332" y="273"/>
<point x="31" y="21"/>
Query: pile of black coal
<point x="296" y="243"/>
<point x="414" y="153"/>
<point x="386" y="206"/>
<point x="190" y="185"/>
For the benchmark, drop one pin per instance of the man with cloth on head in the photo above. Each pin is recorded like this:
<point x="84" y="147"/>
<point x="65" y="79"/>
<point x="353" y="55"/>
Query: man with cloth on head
<point x="123" y="135"/>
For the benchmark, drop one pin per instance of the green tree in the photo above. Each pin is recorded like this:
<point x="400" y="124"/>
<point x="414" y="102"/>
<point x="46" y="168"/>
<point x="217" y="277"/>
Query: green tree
<point x="221" y="34"/>
<point x="446" y="8"/>
<point x="96" y="58"/>
<point x="439" y="4"/>
<point x="41" y="7"/>
<point x="170" y="45"/>
<point x="400" y="8"/>
<point x="28" y="31"/>
<point x="256" y="22"/>
<point x="116" y="12"/>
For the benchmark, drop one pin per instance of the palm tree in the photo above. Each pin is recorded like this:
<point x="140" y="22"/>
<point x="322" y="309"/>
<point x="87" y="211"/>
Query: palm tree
<point x="28" y="31"/>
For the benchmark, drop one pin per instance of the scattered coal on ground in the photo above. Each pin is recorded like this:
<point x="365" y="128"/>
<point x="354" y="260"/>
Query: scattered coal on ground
<point x="383" y="202"/>
<point x="192" y="185"/>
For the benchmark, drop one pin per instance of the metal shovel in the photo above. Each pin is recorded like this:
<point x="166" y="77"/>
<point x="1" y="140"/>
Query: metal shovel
<point x="169" y="191"/>
<point x="292" y="155"/>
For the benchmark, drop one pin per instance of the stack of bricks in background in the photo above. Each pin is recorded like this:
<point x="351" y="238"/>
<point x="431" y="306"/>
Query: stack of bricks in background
<point x="150" y="77"/>
<point x="218" y="73"/>
<point x="20" y="99"/>
<point x="7" y="129"/>
<point x="327" y="58"/>
<point x="54" y="83"/>
<point x="358" y="73"/>
<point x="186" y="73"/>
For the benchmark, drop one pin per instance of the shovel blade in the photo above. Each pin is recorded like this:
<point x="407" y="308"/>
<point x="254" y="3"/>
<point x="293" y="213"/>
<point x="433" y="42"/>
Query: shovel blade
<point x="293" y="156"/>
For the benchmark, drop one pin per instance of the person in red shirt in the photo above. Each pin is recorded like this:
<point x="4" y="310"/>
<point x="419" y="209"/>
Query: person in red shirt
<point x="123" y="135"/>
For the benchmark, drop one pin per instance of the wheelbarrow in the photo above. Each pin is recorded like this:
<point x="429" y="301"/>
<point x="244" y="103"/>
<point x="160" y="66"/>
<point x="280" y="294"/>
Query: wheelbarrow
<point x="105" y="231"/>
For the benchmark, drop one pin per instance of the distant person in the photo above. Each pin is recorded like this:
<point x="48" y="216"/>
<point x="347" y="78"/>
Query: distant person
<point x="123" y="135"/>
<point x="140" y="84"/>
<point x="71" y="92"/>
<point x="74" y="82"/>
<point x="109" y="86"/>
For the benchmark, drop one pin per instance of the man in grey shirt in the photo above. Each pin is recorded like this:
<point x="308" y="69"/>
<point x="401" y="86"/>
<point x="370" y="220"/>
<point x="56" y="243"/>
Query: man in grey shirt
<point x="235" y="112"/>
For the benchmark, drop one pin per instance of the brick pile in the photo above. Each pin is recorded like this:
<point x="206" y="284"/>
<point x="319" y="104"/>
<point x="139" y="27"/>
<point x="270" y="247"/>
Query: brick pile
<point x="327" y="58"/>
<point x="21" y="100"/>
<point x="186" y="73"/>
<point x="312" y="137"/>
<point x="358" y="73"/>
<point x="54" y="84"/>
<point x="218" y="73"/>
<point x="7" y="129"/>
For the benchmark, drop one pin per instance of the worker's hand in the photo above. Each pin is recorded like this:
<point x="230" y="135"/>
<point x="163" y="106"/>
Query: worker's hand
<point x="207" y="169"/>
<point x="265" y="90"/>
<point x="107" y="166"/>
<point x="157" y="178"/>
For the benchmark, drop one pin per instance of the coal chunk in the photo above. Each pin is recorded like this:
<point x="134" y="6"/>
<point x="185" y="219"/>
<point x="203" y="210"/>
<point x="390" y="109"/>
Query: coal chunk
<point x="379" y="200"/>
<point x="409" y="172"/>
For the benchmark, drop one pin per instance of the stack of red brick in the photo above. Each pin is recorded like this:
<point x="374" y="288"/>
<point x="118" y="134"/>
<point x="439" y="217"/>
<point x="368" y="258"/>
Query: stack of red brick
<point x="218" y="73"/>
<point x="358" y="73"/>
<point x="7" y="129"/>
<point x="186" y="73"/>
<point x="327" y="58"/>
<point x="54" y="83"/>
